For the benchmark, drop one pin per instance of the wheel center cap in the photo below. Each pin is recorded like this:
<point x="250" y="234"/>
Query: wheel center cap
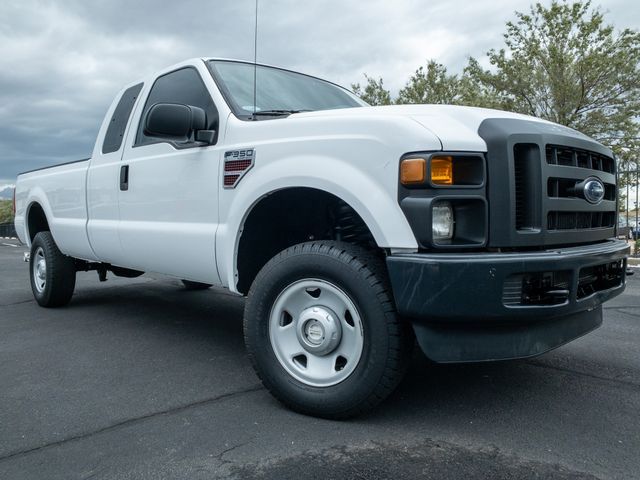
<point x="314" y="332"/>
<point x="41" y="269"/>
<point x="319" y="330"/>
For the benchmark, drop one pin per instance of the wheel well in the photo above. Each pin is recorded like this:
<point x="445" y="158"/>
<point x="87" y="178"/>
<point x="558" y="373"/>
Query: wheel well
<point x="36" y="221"/>
<point x="290" y="216"/>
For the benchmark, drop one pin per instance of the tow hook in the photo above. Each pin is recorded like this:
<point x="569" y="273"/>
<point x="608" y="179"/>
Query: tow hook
<point x="27" y="257"/>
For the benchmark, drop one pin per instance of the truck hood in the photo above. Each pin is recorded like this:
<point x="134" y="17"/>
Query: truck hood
<point x="455" y="126"/>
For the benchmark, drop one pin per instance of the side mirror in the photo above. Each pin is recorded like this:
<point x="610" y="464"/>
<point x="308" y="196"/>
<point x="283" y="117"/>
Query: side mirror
<point x="177" y="122"/>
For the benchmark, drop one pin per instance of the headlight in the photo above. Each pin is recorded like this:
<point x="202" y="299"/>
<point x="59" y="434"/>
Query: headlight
<point x="442" y="221"/>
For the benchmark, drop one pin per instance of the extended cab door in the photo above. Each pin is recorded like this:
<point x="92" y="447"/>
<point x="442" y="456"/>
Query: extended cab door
<point x="102" y="186"/>
<point x="168" y="191"/>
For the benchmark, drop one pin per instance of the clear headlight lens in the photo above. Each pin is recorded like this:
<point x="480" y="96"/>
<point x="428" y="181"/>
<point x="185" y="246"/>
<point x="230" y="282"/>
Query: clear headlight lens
<point x="442" y="221"/>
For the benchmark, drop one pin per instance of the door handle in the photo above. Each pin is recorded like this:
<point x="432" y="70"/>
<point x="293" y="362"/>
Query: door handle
<point x="124" y="177"/>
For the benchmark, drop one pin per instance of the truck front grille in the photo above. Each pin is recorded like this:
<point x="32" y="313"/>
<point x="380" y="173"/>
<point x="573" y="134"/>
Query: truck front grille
<point x="575" y="157"/>
<point x="580" y="220"/>
<point x="546" y="197"/>
<point x="536" y="176"/>
<point x="563" y="188"/>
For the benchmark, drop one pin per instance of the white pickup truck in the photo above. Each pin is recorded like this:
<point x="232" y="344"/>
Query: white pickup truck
<point x="352" y="230"/>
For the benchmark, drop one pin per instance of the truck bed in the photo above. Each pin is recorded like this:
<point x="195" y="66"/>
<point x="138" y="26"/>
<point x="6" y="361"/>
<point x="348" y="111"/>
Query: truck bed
<point x="61" y="191"/>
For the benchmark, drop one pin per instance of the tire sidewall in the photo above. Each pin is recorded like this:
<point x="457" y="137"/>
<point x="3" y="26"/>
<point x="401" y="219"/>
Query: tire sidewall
<point x="39" y="242"/>
<point x="60" y="276"/>
<point x="354" y="281"/>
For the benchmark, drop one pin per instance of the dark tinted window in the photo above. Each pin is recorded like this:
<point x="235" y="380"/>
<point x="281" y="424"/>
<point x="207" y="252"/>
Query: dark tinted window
<point x="182" y="86"/>
<point x="115" y="131"/>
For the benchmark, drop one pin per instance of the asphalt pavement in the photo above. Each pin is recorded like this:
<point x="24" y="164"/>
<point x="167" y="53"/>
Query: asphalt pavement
<point x="142" y="379"/>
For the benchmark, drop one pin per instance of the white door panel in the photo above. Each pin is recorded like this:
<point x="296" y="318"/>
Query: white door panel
<point x="169" y="214"/>
<point x="102" y="195"/>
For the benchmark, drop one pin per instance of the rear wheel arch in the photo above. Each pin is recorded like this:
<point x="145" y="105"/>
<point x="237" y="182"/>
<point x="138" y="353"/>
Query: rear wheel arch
<point x="36" y="220"/>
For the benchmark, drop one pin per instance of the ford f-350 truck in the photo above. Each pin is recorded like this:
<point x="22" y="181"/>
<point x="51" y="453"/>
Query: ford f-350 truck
<point x="352" y="230"/>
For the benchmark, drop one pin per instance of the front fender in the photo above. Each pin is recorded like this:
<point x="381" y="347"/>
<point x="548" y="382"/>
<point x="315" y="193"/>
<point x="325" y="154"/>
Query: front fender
<point x="371" y="194"/>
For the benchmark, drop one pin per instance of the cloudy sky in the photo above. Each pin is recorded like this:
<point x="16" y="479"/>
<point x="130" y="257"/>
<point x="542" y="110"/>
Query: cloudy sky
<point x="61" y="62"/>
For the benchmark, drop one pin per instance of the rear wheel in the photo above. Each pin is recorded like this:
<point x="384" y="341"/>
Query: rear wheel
<point x="189" y="285"/>
<point x="52" y="274"/>
<point x="322" y="331"/>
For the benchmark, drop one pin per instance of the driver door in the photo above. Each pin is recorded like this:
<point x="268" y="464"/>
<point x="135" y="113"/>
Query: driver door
<point x="168" y="197"/>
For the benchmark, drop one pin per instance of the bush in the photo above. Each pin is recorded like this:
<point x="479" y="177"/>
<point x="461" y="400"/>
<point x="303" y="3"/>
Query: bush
<point x="6" y="211"/>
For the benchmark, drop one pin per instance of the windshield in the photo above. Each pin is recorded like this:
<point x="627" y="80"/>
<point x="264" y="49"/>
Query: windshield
<point x="278" y="91"/>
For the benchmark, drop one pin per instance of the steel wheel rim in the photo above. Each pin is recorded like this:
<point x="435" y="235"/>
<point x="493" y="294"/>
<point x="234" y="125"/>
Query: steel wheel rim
<point x="316" y="332"/>
<point x="39" y="268"/>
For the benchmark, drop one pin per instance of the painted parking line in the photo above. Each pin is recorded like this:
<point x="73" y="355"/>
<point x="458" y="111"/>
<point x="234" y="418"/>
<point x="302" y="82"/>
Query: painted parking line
<point x="10" y="245"/>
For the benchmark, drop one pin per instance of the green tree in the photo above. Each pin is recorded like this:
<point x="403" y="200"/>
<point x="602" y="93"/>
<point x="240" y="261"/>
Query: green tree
<point x="6" y="211"/>
<point x="564" y="64"/>
<point x="373" y="92"/>
<point x="432" y="84"/>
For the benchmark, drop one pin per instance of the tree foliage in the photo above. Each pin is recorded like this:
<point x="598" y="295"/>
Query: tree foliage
<point x="373" y="92"/>
<point x="562" y="63"/>
<point x="431" y="84"/>
<point x="6" y="211"/>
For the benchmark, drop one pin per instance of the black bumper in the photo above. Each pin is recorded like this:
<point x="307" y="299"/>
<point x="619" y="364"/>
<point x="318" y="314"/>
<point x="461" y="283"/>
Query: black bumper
<point x="489" y="306"/>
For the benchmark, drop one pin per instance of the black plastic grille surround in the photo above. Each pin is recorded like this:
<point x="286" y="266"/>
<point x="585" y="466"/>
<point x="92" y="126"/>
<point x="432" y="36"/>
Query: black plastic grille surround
<point x="535" y="173"/>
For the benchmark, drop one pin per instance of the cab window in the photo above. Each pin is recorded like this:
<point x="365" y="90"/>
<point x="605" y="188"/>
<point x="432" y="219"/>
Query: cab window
<point x="180" y="86"/>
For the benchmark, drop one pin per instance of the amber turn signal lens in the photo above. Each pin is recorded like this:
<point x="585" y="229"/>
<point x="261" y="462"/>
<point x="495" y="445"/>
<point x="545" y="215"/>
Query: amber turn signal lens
<point x="442" y="170"/>
<point x="412" y="171"/>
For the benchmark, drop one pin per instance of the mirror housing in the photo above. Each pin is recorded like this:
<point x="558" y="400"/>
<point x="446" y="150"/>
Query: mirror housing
<point x="177" y="122"/>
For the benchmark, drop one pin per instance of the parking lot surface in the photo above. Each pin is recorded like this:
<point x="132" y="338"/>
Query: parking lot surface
<point x="139" y="378"/>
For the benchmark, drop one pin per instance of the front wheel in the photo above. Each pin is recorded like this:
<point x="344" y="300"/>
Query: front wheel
<point x="322" y="332"/>
<point x="52" y="274"/>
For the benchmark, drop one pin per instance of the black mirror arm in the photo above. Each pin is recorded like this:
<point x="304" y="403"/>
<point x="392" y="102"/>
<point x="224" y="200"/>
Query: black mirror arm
<point x="207" y="137"/>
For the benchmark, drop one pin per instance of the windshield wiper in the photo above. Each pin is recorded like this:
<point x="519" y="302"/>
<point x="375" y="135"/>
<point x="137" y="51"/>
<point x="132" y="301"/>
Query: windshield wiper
<point x="276" y="113"/>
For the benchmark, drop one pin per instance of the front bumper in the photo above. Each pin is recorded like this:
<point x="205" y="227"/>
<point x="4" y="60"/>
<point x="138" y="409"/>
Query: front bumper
<point x="466" y="306"/>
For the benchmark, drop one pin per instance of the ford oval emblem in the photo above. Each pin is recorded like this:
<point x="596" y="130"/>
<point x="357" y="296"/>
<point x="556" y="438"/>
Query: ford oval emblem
<point x="593" y="190"/>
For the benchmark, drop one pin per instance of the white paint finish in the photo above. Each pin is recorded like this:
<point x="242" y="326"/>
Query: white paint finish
<point x="355" y="160"/>
<point x="172" y="197"/>
<point x="61" y="191"/>
<point x="455" y="126"/>
<point x="18" y="223"/>
<point x="176" y="219"/>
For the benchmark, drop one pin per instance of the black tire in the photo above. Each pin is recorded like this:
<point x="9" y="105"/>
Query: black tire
<point x="387" y="340"/>
<point x="55" y="287"/>
<point x="189" y="285"/>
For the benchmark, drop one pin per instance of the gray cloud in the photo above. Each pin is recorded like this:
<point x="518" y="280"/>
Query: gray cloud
<point x="61" y="63"/>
